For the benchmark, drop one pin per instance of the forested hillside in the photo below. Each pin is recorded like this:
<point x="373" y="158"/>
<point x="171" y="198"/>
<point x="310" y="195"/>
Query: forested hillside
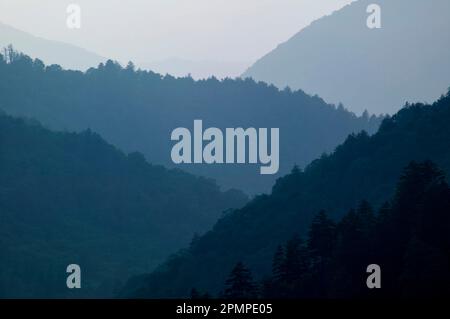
<point x="402" y="249"/>
<point x="73" y="198"/>
<point x="137" y="111"/>
<point x="362" y="168"/>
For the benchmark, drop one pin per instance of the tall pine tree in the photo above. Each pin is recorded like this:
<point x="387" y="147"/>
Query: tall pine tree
<point x="240" y="284"/>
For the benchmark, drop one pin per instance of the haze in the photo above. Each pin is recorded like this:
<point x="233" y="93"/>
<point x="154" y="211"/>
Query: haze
<point x="227" y="34"/>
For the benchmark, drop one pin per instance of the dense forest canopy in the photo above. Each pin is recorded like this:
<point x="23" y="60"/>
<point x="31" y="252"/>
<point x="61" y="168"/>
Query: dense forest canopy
<point x="73" y="198"/>
<point x="362" y="168"/>
<point x="137" y="110"/>
<point x="401" y="250"/>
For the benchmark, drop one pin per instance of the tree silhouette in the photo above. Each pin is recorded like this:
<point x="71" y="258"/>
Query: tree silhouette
<point x="295" y="262"/>
<point x="240" y="284"/>
<point x="408" y="238"/>
<point x="321" y="236"/>
<point x="278" y="264"/>
<point x="363" y="167"/>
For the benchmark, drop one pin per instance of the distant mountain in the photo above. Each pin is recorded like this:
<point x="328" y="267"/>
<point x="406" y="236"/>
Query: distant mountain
<point x="138" y="110"/>
<point x="72" y="198"/>
<point x="50" y="52"/>
<point x="363" y="167"/>
<point x="339" y="58"/>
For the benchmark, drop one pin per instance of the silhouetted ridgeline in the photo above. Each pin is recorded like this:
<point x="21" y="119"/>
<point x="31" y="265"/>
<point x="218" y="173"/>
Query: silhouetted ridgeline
<point x="137" y="111"/>
<point x="363" y="167"/>
<point x="406" y="242"/>
<point x="72" y="198"/>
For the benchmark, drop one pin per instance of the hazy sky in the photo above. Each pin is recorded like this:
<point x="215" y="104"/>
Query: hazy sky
<point x="152" y="30"/>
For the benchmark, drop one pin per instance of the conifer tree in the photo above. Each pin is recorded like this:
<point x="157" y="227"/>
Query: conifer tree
<point x="240" y="284"/>
<point x="295" y="262"/>
<point x="321" y="236"/>
<point x="278" y="264"/>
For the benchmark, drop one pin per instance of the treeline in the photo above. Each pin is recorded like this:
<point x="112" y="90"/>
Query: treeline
<point x="73" y="198"/>
<point x="363" y="167"/>
<point x="408" y="237"/>
<point x="137" y="110"/>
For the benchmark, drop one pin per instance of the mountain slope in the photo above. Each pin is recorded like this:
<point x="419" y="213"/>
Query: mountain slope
<point x="363" y="167"/>
<point x="51" y="52"/>
<point x="339" y="58"/>
<point x="138" y="110"/>
<point x="72" y="198"/>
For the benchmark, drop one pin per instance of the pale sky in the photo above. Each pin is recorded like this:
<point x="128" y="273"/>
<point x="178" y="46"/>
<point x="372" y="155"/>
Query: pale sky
<point x="153" y="30"/>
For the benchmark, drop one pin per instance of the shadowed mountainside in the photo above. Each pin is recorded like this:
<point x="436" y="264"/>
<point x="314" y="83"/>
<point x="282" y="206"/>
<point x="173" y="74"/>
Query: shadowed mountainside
<point x="363" y="167"/>
<point x="138" y="110"/>
<point x="73" y="198"/>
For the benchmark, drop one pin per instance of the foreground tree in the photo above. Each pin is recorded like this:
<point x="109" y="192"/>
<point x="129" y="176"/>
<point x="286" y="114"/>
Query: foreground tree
<point x="240" y="284"/>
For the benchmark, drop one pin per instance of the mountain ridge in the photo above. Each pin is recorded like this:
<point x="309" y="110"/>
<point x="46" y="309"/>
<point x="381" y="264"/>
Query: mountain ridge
<point x="137" y="110"/>
<point x="339" y="58"/>
<point x="67" y="55"/>
<point x="73" y="198"/>
<point x="362" y="168"/>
